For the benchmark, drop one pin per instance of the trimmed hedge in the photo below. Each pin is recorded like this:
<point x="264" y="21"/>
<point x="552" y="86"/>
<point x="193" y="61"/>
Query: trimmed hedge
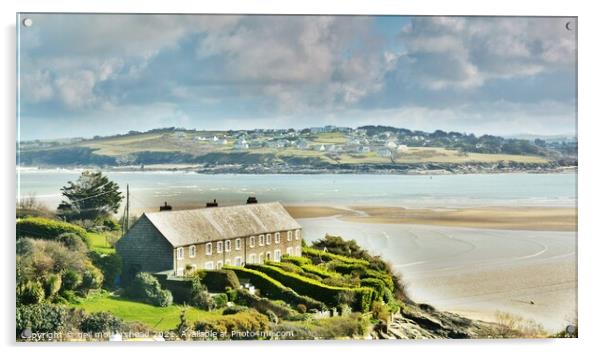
<point x="263" y="305"/>
<point x="274" y="289"/>
<point x="230" y="326"/>
<point x="377" y="285"/>
<point x="359" y="298"/>
<point x="297" y="260"/>
<point x="217" y="280"/>
<point x="320" y="271"/>
<point x="326" y="256"/>
<point x="49" y="229"/>
<point x="363" y="272"/>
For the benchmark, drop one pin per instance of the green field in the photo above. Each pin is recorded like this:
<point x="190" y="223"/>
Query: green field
<point x="158" y="318"/>
<point x="100" y="243"/>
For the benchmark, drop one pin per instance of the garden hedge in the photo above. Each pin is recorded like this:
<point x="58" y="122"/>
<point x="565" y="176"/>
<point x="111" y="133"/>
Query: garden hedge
<point x="49" y="229"/>
<point x="297" y="260"/>
<point x="330" y="295"/>
<point x="272" y="288"/>
<point x="326" y="256"/>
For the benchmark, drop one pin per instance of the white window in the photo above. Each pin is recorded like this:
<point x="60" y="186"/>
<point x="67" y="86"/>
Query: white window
<point x="298" y="250"/>
<point x="289" y="235"/>
<point x="268" y="256"/>
<point x="180" y="272"/>
<point x="228" y="262"/>
<point x="277" y="237"/>
<point x="208" y="248"/>
<point x="261" y="258"/>
<point x="252" y="259"/>
<point x="252" y="242"/>
<point x="261" y="239"/>
<point x="268" y="239"/>
<point x="289" y="251"/>
<point x="192" y="251"/>
<point x="219" y="246"/>
<point x="297" y="234"/>
<point x="180" y="253"/>
<point x="277" y="255"/>
<point x="228" y="245"/>
<point x="237" y="243"/>
<point x="238" y="261"/>
<point x="218" y="265"/>
<point x="209" y="265"/>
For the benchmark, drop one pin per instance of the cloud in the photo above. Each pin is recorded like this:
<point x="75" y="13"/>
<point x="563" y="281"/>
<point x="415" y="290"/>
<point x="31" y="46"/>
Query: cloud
<point x="464" y="53"/>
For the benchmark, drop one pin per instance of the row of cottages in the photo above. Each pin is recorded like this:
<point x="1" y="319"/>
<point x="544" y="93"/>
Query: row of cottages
<point x="209" y="238"/>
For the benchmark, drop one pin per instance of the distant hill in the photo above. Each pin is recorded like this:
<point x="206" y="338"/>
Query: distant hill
<point x="318" y="147"/>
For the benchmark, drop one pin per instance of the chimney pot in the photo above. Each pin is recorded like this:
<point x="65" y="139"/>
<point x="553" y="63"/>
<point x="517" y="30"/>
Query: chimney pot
<point x="165" y="207"/>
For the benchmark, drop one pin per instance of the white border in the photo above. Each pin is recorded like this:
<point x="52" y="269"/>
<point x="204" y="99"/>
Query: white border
<point x="590" y="300"/>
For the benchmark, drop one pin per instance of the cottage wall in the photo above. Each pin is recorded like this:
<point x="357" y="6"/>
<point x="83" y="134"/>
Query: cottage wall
<point x="143" y="248"/>
<point x="196" y="257"/>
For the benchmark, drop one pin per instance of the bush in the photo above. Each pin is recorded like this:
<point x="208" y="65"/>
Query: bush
<point x="264" y="305"/>
<point x="101" y="322"/>
<point x="380" y="311"/>
<point x="249" y="322"/>
<point x="52" y="284"/>
<point x="322" y="272"/>
<point x="109" y="265"/>
<point x="377" y="285"/>
<point x="200" y="297"/>
<point x="43" y="318"/>
<point x="91" y="279"/>
<point x="234" y="309"/>
<point x="30" y="292"/>
<point x="301" y="308"/>
<point x="71" y="280"/>
<point x="232" y="294"/>
<point x="218" y="280"/>
<point x="43" y="228"/>
<point x="220" y="300"/>
<point x="330" y="295"/>
<point x="73" y="242"/>
<point x="146" y="287"/>
<point x="272" y="316"/>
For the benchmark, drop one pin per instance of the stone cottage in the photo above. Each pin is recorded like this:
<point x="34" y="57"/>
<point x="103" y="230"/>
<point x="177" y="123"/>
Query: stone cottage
<point x="209" y="238"/>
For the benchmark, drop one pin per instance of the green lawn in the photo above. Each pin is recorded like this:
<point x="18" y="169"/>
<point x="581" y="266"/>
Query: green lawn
<point x="158" y="318"/>
<point x="100" y="244"/>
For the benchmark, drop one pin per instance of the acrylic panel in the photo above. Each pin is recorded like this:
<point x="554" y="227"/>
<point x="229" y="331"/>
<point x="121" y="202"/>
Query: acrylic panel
<point x="189" y="177"/>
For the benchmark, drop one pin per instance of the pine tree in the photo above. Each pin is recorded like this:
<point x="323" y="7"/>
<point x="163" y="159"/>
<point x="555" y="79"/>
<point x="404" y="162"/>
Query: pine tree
<point x="92" y="196"/>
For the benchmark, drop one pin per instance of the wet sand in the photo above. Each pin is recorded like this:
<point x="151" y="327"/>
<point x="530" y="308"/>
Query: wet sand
<point x="508" y="218"/>
<point x="472" y="271"/>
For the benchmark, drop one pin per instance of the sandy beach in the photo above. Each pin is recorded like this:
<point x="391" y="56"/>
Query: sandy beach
<point x="513" y="218"/>
<point x="475" y="261"/>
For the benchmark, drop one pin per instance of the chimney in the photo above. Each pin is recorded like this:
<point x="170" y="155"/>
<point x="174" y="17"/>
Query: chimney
<point x="165" y="207"/>
<point x="251" y="200"/>
<point x="212" y="204"/>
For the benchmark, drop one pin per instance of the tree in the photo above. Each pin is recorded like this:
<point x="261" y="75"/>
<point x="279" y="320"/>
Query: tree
<point x="92" y="196"/>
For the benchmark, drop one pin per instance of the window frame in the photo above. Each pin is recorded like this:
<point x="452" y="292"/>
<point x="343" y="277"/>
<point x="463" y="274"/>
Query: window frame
<point x="252" y="241"/>
<point x="261" y="240"/>
<point x="297" y="234"/>
<point x="268" y="239"/>
<point x="192" y="251"/>
<point x="219" y="247"/>
<point x="237" y="244"/>
<point x="289" y="236"/>
<point x="219" y="264"/>
<point x="180" y="253"/>
<point x="277" y="255"/>
<point x="209" y="263"/>
<point x="228" y="246"/>
<point x="208" y="248"/>
<point x="277" y="238"/>
<point x="252" y="258"/>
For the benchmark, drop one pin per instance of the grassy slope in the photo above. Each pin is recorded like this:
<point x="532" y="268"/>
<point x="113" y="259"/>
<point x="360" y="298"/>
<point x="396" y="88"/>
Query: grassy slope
<point x="100" y="244"/>
<point x="159" y="318"/>
<point x="187" y="143"/>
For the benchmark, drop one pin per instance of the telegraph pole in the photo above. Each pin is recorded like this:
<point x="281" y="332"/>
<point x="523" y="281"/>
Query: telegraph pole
<point x="127" y="207"/>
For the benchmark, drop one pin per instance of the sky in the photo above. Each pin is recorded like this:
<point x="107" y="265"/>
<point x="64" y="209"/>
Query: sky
<point x="82" y="75"/>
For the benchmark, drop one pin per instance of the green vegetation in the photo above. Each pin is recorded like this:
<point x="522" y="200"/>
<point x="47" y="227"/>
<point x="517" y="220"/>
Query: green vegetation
<point x="93" y="196"/>
<point x="159" y="318"/>
<point x="230" y="325"/>
<point x="44" y="228"/>
<point x="145" y="287"/>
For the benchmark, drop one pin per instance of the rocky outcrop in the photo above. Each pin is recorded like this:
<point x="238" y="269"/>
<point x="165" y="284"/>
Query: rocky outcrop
<point x="425" y="322"/>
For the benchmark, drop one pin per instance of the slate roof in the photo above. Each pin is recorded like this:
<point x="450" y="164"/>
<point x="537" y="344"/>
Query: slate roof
<point x="217" y="223"/>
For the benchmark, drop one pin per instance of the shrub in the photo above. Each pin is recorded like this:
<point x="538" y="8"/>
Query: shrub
<point x="91" y="279"/>
<point x="380" y="311"/>
<point x="232" y="294"/>
<point x="200" y="297"/>
<point x="101" y="322"/>
<point x="109" y="265"/>
<point x="301" y="308"/>
<point x="52" y="284"/>
<point x="220" y="300"/>
<point x="377" y="285"/>
<point x="218" y="280"/>
<point x="71" y="280"/>
<point x="237" y="326"/>
<point x="322" y="272"/>
<point x="234" y="309"/>
<point x="43" y="228"/>
<point x="111" y="224"/>
<point x="330" y="295"/>
<point x="272" y="316"/>
<point x="43" y="318"/>
<point x="146" y="287"/>
<point x="30" y="292"/>
<point x="73" y="242"/>
<point x="264" y="305"/>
